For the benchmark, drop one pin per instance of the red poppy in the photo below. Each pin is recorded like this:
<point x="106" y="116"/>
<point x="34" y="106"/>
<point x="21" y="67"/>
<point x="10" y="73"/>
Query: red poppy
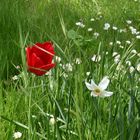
<point x="39" y="58"/>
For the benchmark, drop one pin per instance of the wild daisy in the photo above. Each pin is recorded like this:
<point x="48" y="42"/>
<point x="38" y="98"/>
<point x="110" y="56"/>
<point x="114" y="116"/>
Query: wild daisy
<point x="133" y="30"/>
<point x="14" y="78"/>
<point x="58" y="59"/>
<point x="96" y="34"/>
<point x="106" y="26"/>
<point x="122" y="30"/>
<point x="128" y="42"/>
<point x="96" y="58"/>
<point x="92" y="19"/>
<point x="17" y="135"/>
<point x="138" y="36"/>
<point x="52" y="121"/>
<point x="88" y="73"/>
<point x="118" y="42"/>
<point x="68" y="67"/>
<point x="116" y="55"/>
<point x="80" y="24"/>
<point x="100" y="89"/>
<point x="121" y="46"/>
<point x="128" y="21"/>
<point x="90" y="29"/>
<point x="78" y="61"/>
<point x="131" y="69"/>
<point x="114" y="28"/>
<point x="110" y="43"/>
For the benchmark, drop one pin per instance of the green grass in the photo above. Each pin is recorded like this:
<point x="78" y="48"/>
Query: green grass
<point x="27" y="104"/>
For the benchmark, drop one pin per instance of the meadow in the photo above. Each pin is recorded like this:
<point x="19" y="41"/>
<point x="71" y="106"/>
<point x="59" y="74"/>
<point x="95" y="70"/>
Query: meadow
<point x="97" y="49"/>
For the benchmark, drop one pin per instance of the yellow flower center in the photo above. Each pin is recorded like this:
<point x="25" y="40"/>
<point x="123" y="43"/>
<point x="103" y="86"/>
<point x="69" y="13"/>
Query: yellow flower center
<point x="97" y="91"/>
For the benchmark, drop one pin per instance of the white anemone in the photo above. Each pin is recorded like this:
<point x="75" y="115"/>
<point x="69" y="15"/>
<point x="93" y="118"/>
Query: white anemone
<point x="100" y="89"/>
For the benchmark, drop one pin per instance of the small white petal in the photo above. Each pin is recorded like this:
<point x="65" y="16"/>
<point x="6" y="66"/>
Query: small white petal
<point x="104" y="83"/>
<point x="89" y="86"/>
<point x="107" y="93"/>
<point x="93" y="85"/>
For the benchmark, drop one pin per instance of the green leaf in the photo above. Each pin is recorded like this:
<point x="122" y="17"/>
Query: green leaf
<point x="72" y="34"/>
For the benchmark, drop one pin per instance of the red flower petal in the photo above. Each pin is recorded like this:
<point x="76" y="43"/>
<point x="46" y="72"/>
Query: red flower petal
<point x="36" y="61"/>
<point x="45" y="51"/>
<point x="42" y="70"/>
<point x="48" y="67"/>
<point x="39" y="58"/>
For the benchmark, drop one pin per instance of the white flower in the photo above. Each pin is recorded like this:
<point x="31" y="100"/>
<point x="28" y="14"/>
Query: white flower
<point x="114" y="28"/>
<point x="68" y="67"/>
<point x="17" y="67"/>
<point x="110" y="43"/>
<point x="114" y="54"/>
<point x="96" y="34"/>
<point x="138" y="67"/>
<point x="78" y="61"/>
<point x="100" y="16"/>
<point x="134" y="51"/>
<point x="128" y="42"/>
<point x="118" y="42"/>
<point x="116" y="60"/>
<point x="88" y="73"/>
<point x="96" y="58"/>
<point x="106" y="53"/>
<point x="90" y="29"/>
<point x="121" y="46"/>
<point x="17" y="135"/>
<point x="138" y="36"/>
<point x="58" y="59"/>
<point x="34" y="116"/>
<point x="122" y="30"/>
<point x="131" y="69"/>
<point x="15" y="78"/>
<point x="128" y="21"/>
<point x="106" y="26"/>
<point x="131" y="27"/>
<point x="80" y="24"/>
<point x="116" y="57"/>
<point x="52" y="121"/>
<point x="65" y="75"/>
<point x="133" y="30"/>
<point x="100" y="89"/>
<point x="92" y="19"/>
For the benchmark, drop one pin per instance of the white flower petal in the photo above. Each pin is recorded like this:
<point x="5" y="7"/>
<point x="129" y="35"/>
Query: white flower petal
<point x="107" y="93"/>
<point x="89" y="86"/>
<point x="93" y="94"/>
<point x="93" y="85"/>
<point x="104" y="83"/>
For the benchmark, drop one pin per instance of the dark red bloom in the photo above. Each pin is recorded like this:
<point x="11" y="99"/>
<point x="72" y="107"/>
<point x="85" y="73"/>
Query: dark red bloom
<point x="39" y="58"/>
